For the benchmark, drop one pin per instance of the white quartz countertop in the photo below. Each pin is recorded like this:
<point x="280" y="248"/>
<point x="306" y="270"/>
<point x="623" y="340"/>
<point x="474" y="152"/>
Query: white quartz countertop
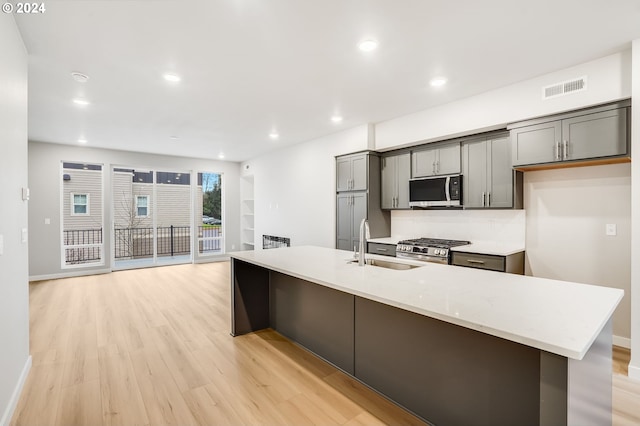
<point x="556" y="316"/>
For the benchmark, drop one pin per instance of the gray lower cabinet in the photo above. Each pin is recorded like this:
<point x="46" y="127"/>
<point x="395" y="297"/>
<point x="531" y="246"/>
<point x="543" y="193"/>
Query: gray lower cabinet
<point x="299" y="311"/>
<point x="382" y="248"/>
<point x="513" y="263"/>
<point x="351" y="209"/>
<point x="441" y="159"/>
<point x="488" y="177"/>
<point x="446" y="374"/>
<point x="351" y="172"/>
<point x="396" y="172"/>
<point x="593" y="134"/>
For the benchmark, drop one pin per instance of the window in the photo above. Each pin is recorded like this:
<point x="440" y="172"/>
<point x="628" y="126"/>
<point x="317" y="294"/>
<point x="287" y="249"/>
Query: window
<point x="79" y="204"/>
<point x="142" y="205"/>
<point x="209" y="216"/>
<point x="81" y="207"/>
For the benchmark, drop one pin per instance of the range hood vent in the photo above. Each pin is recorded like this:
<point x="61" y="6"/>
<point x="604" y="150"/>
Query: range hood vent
<point x="564" y="88"/>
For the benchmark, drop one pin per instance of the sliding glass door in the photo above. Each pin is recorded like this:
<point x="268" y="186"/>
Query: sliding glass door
<point x="151" y="217"/>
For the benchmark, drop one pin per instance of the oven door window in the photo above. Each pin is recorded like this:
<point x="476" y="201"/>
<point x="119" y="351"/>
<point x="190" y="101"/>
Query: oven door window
<point x="428" y="189"/>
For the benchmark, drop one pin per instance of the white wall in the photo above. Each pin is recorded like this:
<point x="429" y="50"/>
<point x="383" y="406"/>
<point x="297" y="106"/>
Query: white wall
<point x="44" y="178"/>
<point x="567" y="210"/>
<point x="294" y="188"/>
<point x="14" y="285"/>
<point x="634" y="366"/>
<point x="608" y="80"/>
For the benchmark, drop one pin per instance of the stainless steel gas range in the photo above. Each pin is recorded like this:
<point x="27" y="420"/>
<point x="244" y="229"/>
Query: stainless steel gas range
<point x="428" y="249"/>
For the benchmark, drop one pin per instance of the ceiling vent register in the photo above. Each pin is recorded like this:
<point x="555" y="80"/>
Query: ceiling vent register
<point x="564" y="88"/>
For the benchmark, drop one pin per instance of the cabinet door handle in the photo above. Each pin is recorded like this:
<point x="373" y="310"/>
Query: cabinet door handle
<point x="437" y="166"/>
<point x="565" y="150"/>
<point x="483" y="195"/>
<point x="381" y="249"/>
<point x="477" y="262"/>
<point x="557" y="150"/>
<point x="488" y="199"/>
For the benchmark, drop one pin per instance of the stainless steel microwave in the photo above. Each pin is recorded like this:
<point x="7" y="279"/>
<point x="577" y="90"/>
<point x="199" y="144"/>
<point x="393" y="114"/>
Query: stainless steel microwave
<point x="436" y="191"/>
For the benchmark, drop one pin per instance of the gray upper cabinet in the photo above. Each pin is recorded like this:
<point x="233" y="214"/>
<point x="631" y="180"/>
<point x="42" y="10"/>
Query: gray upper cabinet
<point x="598" y="133"/>
<point x="396" y="172"/>
<point x="488" y="178"/>
<point x="351" y="172"/>
<point x="595" y="135"/>
<point x="536" y="144"/>
<point x="443" y="159"/>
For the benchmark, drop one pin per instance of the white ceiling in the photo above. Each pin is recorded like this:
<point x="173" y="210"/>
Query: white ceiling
<point x="252" y="66"/>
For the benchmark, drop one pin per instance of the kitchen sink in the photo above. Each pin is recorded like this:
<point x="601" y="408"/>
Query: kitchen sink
<point x="386" y="264"/>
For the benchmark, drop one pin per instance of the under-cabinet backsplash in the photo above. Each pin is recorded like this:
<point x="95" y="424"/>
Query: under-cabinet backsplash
<point x="475" y="225"/>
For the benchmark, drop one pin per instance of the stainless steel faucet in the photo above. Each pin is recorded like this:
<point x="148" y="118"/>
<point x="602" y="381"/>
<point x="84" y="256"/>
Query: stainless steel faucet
<point x="364" y="236"/>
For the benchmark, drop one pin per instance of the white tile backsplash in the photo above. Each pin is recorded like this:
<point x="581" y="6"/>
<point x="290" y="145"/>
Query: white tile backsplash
<point x="506" y="226"/>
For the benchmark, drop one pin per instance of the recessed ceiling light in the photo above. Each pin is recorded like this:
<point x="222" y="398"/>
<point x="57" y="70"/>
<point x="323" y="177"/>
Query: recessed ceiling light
<point x="336" y="119"/>
<point x="173" y="137"/>
<point x="81" y="102"/>
<point x="368" y="45"/>
<point x="274" y="135"/>
<point x="82" y="140"/>
<point x="438" y="81"/>
<point x="173" y="78"/>
<point x="221" y="156"/>
<point x="79" y="77"/>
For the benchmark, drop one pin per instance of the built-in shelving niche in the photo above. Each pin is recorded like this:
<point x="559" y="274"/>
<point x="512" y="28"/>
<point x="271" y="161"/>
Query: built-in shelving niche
<point x="247" y="213"/>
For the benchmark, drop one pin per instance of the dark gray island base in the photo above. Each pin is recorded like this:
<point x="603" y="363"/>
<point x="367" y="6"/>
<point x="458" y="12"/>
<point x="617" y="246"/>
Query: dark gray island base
<point x="444" y="373"/>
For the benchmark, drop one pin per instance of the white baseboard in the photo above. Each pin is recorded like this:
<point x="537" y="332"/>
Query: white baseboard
<point x="68" y="275"/>
<point x="15" y="397"/>
<point x="212" y="259"/>
<point x="623" y="342"/>
<point x="634" y="372"/>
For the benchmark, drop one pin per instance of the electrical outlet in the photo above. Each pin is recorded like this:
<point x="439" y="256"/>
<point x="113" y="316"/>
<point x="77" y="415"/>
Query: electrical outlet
<point x="611" y="229"/>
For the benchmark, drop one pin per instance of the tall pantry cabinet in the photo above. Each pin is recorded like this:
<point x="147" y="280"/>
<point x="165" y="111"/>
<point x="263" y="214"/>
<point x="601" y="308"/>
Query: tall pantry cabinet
<point x="357" y="198"/>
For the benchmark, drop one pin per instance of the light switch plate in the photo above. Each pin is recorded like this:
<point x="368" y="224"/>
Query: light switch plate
<point x="47" y="221"/>
<point x="611" y="229"/>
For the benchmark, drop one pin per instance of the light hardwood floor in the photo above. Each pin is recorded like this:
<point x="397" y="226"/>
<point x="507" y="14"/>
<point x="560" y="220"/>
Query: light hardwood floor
<point x="152" y="347"/>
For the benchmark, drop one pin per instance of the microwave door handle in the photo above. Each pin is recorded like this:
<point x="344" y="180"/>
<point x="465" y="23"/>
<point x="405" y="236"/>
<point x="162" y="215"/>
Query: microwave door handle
<point x="446" y="188"/>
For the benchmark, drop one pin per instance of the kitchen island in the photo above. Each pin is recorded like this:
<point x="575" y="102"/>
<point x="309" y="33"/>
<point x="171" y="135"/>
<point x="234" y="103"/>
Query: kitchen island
<point x="452" y="345"/>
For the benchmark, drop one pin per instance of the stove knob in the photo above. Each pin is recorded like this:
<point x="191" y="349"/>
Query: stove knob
<point x="438" y="251"/>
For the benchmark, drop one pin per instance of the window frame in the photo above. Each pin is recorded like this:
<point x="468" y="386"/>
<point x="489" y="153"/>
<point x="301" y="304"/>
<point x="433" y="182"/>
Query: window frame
<point x="138" y="197"/>
<point x="73" y="204"/>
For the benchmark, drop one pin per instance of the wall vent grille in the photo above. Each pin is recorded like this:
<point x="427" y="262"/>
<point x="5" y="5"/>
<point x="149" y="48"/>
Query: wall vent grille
<point x="564" y="88"/>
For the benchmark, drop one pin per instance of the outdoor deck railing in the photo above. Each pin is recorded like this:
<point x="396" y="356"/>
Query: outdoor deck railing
<point x="85" y="245"/>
